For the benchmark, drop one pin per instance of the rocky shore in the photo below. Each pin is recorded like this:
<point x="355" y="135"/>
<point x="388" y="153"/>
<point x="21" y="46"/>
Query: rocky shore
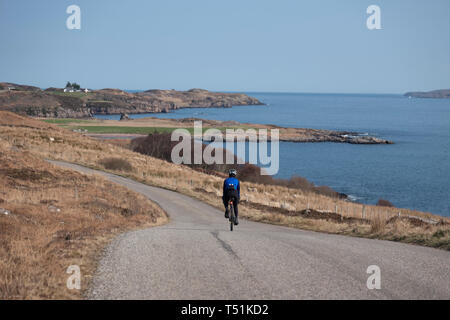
<point x="303" y="135"/>
<point x="55" y="103"/>
<point x="285" y="134"/>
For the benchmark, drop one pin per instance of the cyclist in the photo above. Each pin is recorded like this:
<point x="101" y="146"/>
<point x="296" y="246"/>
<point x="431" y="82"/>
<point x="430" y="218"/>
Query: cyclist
<point x="231" y="190"/>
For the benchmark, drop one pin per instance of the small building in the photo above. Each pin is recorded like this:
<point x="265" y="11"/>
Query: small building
<point x="75" y="89"/>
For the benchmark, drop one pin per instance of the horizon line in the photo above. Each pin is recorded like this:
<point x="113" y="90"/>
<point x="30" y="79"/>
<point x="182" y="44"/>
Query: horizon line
<point x="251" y="91"/>
<point x="281" y="92"/>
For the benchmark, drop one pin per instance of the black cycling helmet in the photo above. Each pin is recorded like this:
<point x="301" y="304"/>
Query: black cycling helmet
<point x="232" y="173"/>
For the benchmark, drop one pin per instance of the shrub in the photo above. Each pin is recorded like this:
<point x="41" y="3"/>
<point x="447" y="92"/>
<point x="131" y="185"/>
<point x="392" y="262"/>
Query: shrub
<point x="384" y="203"/>
<point x="159" y="145"/>
<point x="299" y="183"/>
<point x="116" y="164"/>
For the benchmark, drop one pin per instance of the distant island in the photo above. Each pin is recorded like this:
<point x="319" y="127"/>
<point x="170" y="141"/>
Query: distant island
<point x="76" y="102"/>
<point x="436" y="94"/>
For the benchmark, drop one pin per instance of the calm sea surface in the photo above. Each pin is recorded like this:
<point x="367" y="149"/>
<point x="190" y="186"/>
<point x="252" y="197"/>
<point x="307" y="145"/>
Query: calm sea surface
<point x="413" y="173"/>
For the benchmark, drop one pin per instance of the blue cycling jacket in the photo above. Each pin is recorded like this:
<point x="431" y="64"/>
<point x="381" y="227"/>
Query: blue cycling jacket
<point x="231" y="181"/>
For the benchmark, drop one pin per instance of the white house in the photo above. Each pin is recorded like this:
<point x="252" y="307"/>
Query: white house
<point x="72" y="89"/>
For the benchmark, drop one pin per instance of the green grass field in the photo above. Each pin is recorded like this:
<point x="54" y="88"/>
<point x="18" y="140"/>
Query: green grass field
<point x="134" y="130"/>
<point x="131" y="130"/>
<point x="65" y="121"/>
<point x="72" y="124"/>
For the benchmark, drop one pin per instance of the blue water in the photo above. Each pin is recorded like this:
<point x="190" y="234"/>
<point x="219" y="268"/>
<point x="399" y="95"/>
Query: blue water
<point x="413" y="173"/>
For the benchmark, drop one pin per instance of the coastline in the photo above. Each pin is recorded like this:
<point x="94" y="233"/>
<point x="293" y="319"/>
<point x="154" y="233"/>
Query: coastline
<point x="143" y="126"/>
<point x="61" y="103"/>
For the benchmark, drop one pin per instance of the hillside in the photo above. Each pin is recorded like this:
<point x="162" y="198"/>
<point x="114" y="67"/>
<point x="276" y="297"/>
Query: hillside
<point x="55" y="103"/>
<point x="51" y="218"/>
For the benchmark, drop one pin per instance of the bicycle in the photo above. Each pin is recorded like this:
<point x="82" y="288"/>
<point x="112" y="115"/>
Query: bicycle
<point x="231" y="214"/>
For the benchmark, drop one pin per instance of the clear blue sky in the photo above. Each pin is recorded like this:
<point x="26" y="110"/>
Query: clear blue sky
<point x="232" y="45"/>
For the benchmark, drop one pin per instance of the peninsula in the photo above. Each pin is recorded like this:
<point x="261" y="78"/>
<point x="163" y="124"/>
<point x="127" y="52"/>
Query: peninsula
<point x="84" y="103"/>
<point x="436" y="94"/>
<point x="131" y="128"/>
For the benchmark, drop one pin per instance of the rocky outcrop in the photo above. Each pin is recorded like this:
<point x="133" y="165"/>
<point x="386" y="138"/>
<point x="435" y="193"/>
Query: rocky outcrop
<point x="53" y="112"/>
<point x="436" y="94"/>
<point x="40" y="104"/>
<point x="313" y="135"/>
<point x="52" y="102"/>
<point x="124" y="116"/>
<point x="17" y="87"/>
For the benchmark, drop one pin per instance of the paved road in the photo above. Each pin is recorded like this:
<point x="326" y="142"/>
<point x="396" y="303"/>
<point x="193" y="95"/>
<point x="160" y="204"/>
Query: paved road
<point x="196" y="257"/>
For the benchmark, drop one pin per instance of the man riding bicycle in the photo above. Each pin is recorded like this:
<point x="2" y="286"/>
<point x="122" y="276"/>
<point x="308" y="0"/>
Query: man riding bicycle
<point x="231" y="191"/>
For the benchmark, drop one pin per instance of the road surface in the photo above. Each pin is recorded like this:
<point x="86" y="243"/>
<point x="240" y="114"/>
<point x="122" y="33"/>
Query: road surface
<point x="195" y="256"/>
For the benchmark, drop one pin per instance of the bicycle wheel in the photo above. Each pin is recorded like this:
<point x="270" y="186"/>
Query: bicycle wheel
<point x="231" y="217"/>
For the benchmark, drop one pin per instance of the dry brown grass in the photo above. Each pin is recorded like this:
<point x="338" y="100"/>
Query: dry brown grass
<point x="266" y="203"/>
<point x="117" y="164"/>
<point x="58" y="218"/>
<point x="377" y="225"/>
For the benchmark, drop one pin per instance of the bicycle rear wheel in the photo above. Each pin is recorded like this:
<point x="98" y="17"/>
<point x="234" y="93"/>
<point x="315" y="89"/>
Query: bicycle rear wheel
<point x="232" y="217"/>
